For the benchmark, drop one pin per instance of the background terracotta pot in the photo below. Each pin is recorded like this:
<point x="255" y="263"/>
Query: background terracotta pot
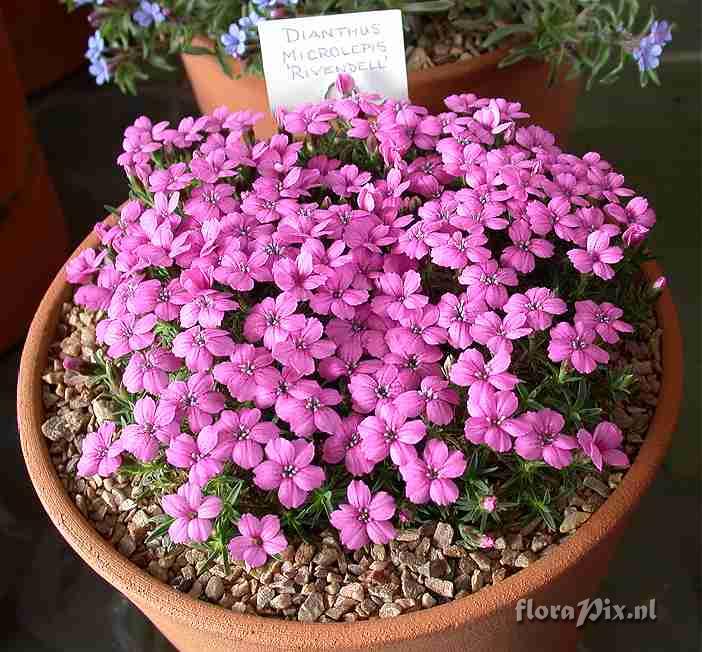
<point x="552" y="108"/>
<point x="33" y="236"/>
<point x="49" y="42"/>
<point x="482" y="623"/>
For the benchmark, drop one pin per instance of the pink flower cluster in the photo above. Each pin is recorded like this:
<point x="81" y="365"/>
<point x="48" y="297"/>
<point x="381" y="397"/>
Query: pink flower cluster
<point x="324" y="314"/>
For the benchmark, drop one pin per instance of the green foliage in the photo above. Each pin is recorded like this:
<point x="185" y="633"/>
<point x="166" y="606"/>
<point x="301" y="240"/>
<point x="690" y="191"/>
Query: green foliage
<point x="166" y="332"/>
<point x="158" y="527"/>
<point x="106" y="373"/>
<point x="154" y="478"/>
<point x="584" y="34"/>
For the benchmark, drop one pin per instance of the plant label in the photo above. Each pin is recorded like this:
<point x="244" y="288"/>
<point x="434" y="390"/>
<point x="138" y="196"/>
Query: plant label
<point x="302" y="57"/>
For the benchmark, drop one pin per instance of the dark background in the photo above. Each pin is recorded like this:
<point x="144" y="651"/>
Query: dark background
<point x="51" y="601"/>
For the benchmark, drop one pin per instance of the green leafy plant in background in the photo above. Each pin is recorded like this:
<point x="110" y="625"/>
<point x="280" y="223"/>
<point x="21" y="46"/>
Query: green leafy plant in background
<point x="595" y="38"/>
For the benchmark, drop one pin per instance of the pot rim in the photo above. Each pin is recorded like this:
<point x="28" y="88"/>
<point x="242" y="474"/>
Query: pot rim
<point x="274" y="633"/>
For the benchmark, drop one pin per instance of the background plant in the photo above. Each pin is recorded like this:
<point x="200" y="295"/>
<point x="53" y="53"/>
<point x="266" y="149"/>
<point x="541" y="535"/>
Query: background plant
<point x="594" y="37"/>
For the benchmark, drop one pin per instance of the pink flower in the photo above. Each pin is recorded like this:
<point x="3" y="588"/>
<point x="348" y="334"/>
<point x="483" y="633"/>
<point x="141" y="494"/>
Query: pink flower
<point x="456" y="315"/>
<point x="604" y="445"/>
<point x="148" y="370"/>
<point x="144" y="297"/>
<point x="200" y="303"/>
<point x="150" y="296"/>
<point x="129" y="333"/>
<point x="273" y="320"/>
<point x="163" y="212"/>
<point x="576" y="345"/>
<point x="542" y="439"/>
<point x="471" y="370"/>
<point x="634" y="235"/>
<point x="389" y="433"/>
<point x="289" y="469"/>
<point x="345" y="365"/>
<point x="93" y="297"/>
<point x="366" y="331"/>
<point x="603" y="318"/>
<point x="487" y="281"/>
<point x="370" y="392"/>
<point x="521" y="254"/>
<point x="258" y="539"/>
<point x="366" y="517"/>
<point x="194" y="399"/>
<point x="101" y="456"/>
<point x="245" y="370"/>
<point x="489" y="504"/>
<point x="434" y="397"/>
<point x="491" y="421"/>
<point x="498" y="333"/>
<point x="248" y="433"/>
<point x="309" y="119"/>
<point x="204" y="456"/>
<point x="272" y="385"/>
<point x="210" y="201"/>
<point x="598" y="257"/>
<point x="486" y="542"/>
<point x="346" y="444"/>
<point x="122" y="300"/>
<point x="337" y="296"/>
<point x="458" y="249"/>
<point x="412" y="242"/>
<point x="422" y="324"/>
<point x="430" y="477"/>
<point x="347" y="180"/>
<point x="240" y="271"/>
<point x="636" y="211"/>
<point x="200" y="345"/>
<point x="400" y="295"/>
<point x="588" y="221"/>
<point x="193" y="514"/>
<point x="308" y="408"/>
<point x="296" y="277"/>
<point x="154" y="424"/>
<point x="538" y="304"/>
<point x="414" y="359"/>
<point x="80" y="269"/>
<point x="555" y="216"/>
<point x="303" y="347"/>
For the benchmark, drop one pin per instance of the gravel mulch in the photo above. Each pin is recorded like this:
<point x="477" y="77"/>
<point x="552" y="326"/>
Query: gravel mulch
<point x="316" y="580"/>
<point x="443" y="41"/>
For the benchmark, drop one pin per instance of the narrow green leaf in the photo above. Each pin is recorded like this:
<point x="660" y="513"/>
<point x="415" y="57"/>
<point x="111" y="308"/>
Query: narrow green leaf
<point x="428" y="7"/>
<point x="503" y="32"/>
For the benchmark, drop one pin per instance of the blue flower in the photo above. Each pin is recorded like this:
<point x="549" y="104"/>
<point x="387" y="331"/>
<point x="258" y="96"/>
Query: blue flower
<point x="100" y="70"/>
<point x="262" y="4"/>
<point x="660" y="32"/>
<point x="247" y="23"/>
<point x="96" y="46"/>
<point x="234" y="41"/>
<point x="149" y="12"/>
<point x="647" y="54"/>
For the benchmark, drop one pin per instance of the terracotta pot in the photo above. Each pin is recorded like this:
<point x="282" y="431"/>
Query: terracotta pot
<point x="49" y="42"/>
<point x="33" y="236"/>
<point x="482" y="623"/>
<point x="552" y="108"/>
